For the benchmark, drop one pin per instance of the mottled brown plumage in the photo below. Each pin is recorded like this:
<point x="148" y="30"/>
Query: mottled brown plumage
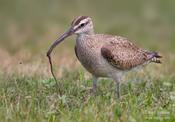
<point x="77" y="20"/>
<point x="124" y="55"/>
<point x="105" y="55"/>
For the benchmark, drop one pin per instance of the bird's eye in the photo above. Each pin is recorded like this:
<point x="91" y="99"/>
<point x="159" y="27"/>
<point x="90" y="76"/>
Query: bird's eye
<point x="82" y="24"/>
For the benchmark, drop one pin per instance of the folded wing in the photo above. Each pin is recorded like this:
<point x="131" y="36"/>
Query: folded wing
<point x="122" y="54"/>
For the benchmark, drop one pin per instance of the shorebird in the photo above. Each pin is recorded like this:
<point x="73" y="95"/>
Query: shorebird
<point x="104" y="55"/>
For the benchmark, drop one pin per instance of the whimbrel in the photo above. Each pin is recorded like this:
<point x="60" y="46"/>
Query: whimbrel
<point x="104" y="55"/>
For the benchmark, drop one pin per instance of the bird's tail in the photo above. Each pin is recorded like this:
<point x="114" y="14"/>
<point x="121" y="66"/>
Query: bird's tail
<point x="155" y="57"/>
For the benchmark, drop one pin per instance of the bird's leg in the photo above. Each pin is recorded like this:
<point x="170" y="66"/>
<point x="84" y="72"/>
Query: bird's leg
<point x="94" y="83"/>
<point x="118" y="83"/>
<point x="118" y="89"/>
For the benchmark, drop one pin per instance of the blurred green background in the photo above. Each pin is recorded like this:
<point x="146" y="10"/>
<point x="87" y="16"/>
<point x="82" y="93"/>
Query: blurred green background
<point x="29" y="24"/>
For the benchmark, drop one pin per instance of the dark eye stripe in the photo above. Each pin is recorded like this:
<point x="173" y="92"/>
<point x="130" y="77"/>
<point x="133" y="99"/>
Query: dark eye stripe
<point x="81" y="26"/>
<point x="77" y="21"/>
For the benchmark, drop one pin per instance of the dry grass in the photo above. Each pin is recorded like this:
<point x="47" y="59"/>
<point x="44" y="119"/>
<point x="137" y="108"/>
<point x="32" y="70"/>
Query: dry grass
<point x="23" y="63"/>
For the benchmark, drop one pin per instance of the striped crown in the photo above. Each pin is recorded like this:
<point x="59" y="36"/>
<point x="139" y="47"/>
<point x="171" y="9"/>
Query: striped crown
<point x="82" y="24"/>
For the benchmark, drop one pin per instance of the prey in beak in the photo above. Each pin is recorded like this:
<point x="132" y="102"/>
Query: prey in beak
<point x="58" y="41"/>
<point x="80" y="25"/>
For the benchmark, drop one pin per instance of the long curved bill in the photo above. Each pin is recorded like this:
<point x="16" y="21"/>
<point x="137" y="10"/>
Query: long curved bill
<point x="59" y="40"/>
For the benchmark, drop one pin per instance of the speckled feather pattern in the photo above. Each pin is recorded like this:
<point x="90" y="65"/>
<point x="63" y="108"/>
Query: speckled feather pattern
<point x="123" y="54"/>
<point x="107" y="55"/>
<point x="103" y="55"/>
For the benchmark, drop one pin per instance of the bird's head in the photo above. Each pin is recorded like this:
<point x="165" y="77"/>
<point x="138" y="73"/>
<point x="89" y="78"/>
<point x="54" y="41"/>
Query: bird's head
<point x="80" y="25"/>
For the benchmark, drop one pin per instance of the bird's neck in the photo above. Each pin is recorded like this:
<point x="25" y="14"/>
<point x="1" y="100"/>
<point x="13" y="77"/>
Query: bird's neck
<point x="90" y="32"/>
<point x="82" y="38"/>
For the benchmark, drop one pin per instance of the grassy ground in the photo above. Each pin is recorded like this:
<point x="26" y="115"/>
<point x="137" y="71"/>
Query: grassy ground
<point x="27" y="89"/>
<point x="36" y="99"/>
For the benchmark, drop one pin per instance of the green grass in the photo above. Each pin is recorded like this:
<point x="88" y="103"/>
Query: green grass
<point x="34" y="99"/>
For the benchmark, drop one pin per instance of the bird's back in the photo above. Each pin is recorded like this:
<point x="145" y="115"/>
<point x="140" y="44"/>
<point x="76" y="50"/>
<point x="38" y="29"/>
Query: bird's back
<point x="124" y="55"/>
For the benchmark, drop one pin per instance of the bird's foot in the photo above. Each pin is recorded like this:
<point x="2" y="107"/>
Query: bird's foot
<point x="93" y="91"/>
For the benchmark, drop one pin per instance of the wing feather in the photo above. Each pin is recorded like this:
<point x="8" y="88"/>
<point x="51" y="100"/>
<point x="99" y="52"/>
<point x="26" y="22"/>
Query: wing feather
<point x="123" y="54"/>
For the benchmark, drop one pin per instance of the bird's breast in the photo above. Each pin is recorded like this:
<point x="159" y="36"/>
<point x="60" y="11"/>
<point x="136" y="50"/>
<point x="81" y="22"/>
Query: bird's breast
<point x="88" y="52"/>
